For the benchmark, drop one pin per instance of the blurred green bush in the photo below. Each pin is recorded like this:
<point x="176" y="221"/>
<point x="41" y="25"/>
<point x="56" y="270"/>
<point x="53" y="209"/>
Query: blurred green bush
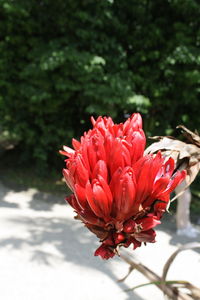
<point x="63" y="60"/>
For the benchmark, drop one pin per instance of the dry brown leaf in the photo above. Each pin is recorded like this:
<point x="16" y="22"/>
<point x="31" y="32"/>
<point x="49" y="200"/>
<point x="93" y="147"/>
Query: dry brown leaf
<point x="192" y="137"/>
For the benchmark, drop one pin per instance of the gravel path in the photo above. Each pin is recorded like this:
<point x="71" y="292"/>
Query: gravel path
<point x="46" y="254"/>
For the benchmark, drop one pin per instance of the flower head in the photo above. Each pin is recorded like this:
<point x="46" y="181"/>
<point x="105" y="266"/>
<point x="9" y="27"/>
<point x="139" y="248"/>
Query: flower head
<point x="119" y="193"/>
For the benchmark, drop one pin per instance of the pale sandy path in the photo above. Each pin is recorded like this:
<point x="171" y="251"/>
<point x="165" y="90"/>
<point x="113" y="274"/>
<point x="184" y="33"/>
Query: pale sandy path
<point x="46" y="254"/>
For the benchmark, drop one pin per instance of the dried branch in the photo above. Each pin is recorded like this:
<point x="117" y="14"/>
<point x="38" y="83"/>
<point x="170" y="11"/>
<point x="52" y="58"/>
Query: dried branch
<point x="172" y="292"/>
<point x="169" y="288"/>
<point x="195" y="291"/>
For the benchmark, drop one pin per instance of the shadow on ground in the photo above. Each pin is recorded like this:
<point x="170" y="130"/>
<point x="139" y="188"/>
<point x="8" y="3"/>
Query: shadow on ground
<point x="72" y="241"/>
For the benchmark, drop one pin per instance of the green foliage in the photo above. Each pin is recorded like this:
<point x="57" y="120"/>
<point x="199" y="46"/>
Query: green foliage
<point x="63" y="60"/>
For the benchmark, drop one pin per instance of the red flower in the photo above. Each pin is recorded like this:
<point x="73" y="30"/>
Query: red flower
<point x="118" y="193"/>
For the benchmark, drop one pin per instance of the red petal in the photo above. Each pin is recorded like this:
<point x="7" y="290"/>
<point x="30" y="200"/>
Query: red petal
<point x="136" y="121"/>
<point x="92" y="203"/>
<point x="118" y="130"/>
<point x="133" y="123"/>
<point x="157" y="165"/>
<point x="138" y="166"/>
<point x="109" y="241"/>
<point x="68" y="151"/>
<point x="99" y="198"/>
<point x="92" y="156"/>
<point x="81" y="174"/>
<point x="160" y="185"/>
<point x="100" y="169"/>
<point x="144" y="180"/>
<point x="116" y="158"/>
<point x="105" y="252"/>
<point x="118" y="237"/>
<point x="115" y="180"/>
<point x="73" y="202"/>
<point x="84" y="153"/>
<point x="76" y="144"/>
<point x="98" y="145"/>
<point x="108" y="144"/>
<point x="63" y="153"/>
<point x="107" y="191"/>
<point x="138" y="143"/>
<point x="132" y="240"/>
<point x="80" y="195"/>
<point x="69" y="180"/>
<point x="125" y="194"/>
<point x="169" y="166"/>
<point x="160" y="207"/>
<point x="126" y="154"/>
<point x="102" y="196"/>
<point x="146" y="236"/>
<point x="93" y="121"/>
<point x="126" y="126"/>
<point x="148" y="222"/>
<point x="129" y="226"/>
<point x="176" y="179"/>
<point x="88" y="216"/>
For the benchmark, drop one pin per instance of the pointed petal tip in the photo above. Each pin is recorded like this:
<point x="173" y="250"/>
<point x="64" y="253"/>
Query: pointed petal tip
<point x="93" y="121"/>
<point x="76" y="144"/>
<point x="104" y="252"/>
<point x="62" y="152"/>
<point x="65" y="171"/>
<point x="67" y="151"/>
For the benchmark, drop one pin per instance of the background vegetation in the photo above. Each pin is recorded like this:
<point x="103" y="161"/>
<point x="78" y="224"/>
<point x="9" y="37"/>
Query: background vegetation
<point x="63" y="60"/>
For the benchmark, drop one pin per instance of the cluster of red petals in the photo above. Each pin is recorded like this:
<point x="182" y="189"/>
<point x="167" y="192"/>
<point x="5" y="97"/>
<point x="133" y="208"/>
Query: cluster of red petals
<point x="118" y="192"/>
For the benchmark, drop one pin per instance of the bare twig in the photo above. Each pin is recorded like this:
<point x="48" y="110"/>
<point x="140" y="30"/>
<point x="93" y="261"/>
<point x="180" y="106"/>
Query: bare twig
<point x="129" y="272"/>
<point x="168" y="289"/>
<point x="195" y="291"/>
<point x="171" y="292"/>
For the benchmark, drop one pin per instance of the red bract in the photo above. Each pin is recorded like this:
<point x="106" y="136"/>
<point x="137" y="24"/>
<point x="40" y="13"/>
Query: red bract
<point x="118" y="193"/>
